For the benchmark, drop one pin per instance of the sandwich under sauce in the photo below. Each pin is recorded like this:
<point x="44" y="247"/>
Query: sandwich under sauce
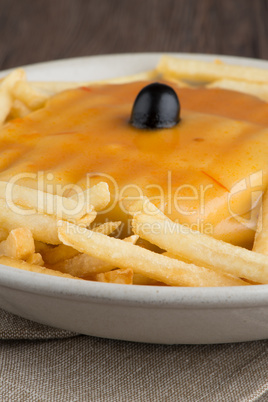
<point x="207" y="171"/>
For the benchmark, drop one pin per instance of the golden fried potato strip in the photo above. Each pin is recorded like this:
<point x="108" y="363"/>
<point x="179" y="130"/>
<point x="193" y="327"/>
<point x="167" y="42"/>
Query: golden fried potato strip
<point x="19" y="244"/>
<point x="32" y="268"/>
<point x="261" y="237"/>
<point x="126" y="255"/>
<point x="122" y="276"/>
<point x="151" y="224"/>
<point x="198" y="70"/>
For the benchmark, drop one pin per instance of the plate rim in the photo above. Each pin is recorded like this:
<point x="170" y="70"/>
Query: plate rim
<point x="160" y="296"/>
<point x="224" y="57"/>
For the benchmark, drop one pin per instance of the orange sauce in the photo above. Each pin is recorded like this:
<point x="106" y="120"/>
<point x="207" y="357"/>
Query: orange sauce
<point x="222" y="140"/>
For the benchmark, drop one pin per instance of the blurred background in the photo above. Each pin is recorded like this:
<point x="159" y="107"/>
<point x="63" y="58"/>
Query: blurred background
<point x="39" y="30"/>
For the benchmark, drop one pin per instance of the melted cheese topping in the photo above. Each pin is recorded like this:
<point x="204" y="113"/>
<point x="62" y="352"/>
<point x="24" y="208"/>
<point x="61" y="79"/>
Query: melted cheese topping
<point x="207" y="171"/>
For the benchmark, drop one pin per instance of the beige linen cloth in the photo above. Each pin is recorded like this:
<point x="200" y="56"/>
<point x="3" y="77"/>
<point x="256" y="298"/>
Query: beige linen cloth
<point x="39" y="363"/>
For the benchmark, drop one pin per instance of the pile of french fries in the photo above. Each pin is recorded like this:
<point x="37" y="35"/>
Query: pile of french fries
<point x="51" y="241"/>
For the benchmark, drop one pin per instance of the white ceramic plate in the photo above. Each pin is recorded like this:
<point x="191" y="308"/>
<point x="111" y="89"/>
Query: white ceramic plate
<point x="139" y="313"/>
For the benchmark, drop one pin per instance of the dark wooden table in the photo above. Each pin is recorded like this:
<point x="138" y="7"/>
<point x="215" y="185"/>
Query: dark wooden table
<point x="34" y="31"/>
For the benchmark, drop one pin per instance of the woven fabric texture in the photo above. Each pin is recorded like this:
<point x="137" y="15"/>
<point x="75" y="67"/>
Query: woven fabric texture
<point x="14" y="327"/>
<point x="40" y="363"/>
<point x="84" y="368"/>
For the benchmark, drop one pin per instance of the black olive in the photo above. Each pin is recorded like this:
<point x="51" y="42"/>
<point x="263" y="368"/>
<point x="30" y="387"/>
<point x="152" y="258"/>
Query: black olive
<point x="156" y="106"/>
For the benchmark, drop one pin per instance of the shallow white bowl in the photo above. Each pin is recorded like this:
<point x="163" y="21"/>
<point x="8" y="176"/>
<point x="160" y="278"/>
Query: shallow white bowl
<point x="134" y="313"/>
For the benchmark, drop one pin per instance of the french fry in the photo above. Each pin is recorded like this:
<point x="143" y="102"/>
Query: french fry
<point x="126" y="255"/>
<point x="143" y="76"/>
<point x="59" y="253"/>
<point x="8" y="82"/>
<point x="43" y="227"/>
<point x="55" y="87"/>
<point x="199" y="248"/>
<point x="5" y="105"/>
<point x="170" y="255"/>
<point x="131" y="239"/>
<point x="252" y="88"/>
<point x="44" y="203"/>
<point x="107" y="227"/>
<point x="198" y="70"/>
<point x="122" y="276"/>
<point x="18" y="110"/>
<point x="261" y="237"/>
<point x="98" y="196"/>
<point x="83" y="265"/>
<point x="177" y="81"/>
<point x="35" y="259"/>
<point x="19" y="244"/>
<point x="87" y="219"/>
<point x="34" y="98"/>
<point x="10" y="262"/>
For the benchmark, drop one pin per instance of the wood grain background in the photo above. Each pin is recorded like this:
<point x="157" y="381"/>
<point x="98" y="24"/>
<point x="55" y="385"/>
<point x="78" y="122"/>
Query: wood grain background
<point x="39" y="30"/>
